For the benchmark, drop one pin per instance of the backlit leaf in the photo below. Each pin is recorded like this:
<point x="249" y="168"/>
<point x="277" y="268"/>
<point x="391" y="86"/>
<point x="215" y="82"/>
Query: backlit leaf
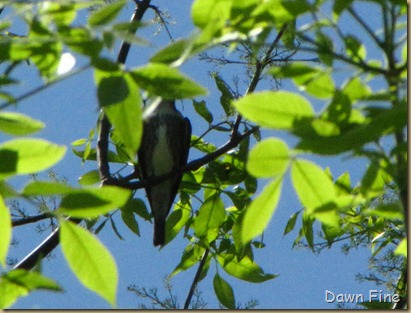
<point x="26" y="156"/>
<point x="18" y="124"/>
<point x="167" y="82"/>
<point x="92" y="202"/>
<point x="259" y="213"/>
<point x="276" y="110"/>
<point x="5" y="231"/>
<point x="89" y="260"/>
<point x="268" y="158"/>
<point x="245" y="269"/>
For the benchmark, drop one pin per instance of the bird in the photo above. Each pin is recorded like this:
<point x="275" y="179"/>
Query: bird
<point x="164" y="147"/>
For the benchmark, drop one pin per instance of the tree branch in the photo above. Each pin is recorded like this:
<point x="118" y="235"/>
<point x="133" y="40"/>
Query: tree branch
<point x="31" y="219"/>
<point x="51" y="242"/>
<point x="196" y="279"/>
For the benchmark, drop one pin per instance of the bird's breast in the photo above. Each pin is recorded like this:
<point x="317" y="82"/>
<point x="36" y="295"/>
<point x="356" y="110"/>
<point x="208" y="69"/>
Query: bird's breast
<point x="162" y="154"/>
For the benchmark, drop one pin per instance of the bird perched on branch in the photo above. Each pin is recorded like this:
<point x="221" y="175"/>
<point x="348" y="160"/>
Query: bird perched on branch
<point x="164" y="148"/>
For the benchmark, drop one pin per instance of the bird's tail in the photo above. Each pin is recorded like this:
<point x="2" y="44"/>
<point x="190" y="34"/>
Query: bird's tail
<point x="159" y="231"/>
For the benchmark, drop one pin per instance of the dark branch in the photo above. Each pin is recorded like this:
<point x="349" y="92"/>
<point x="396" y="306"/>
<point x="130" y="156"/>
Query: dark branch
<point x="41" y="251"/>
<point x="196" y="279"/>
<point x="105" y="125"/>
<point x="31" y="219"/>
<point x="51" y="242"/>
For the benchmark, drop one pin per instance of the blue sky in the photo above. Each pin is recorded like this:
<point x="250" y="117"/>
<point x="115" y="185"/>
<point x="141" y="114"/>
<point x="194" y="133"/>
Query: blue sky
<point x="70" y="110"/>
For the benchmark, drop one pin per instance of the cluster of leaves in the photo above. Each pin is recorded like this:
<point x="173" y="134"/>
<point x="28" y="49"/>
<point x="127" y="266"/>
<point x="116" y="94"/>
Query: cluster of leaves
<point x="350" y="123"/>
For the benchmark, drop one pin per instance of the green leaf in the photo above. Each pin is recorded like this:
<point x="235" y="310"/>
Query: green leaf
<point x="210" y="217"/>
<point x="106" y="14"/>
<point x="127" y="215"/>
<point x="277" y="110"/>
<point x="307" y="229"/>
<point x="316" y="191"/>
<point x="268" y="158"/>
<point x="320" y="86"/>
<point x="226" y="96"/>
<point x="177" y="51"/>
<point x="19" y="124"/>
<point x="18" y="283"/>
<point x="26" y="156"/>
<point x="373" y="182"/>
<point x="224" y="292"/>
<point x="383" y="123"/>
<point x="79" y="142"/>
<point x="291" y="223"/>
<point x="402" y="248"/>
<point x="214" y="12"/>
<point x="45" y="188"/>
<point x="313" y="186"/>
<point x="89" y="260"/>
<point x="355" y="89"/>
<point x="89" y="178"/>
<point x="92" y="202"/>
<point x="202" y="110"/>
<point x="62" y="14"/>
<point x="140" y="208"/>
<point x="192" y="254"/>
<point x="176" y="221"/>
<point x="355" y="48"/>
<point x="119" y="97"/>
<point x="258" y="214"/>
<point x="5" y="231"/>
<point x="167" y="82"/>
<point x="339" y="7"/>
<point x="391" y="211"/>
<point x="244" y="269"/>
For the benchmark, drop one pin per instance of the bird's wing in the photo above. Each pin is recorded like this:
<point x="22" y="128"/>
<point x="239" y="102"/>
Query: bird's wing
<point x="186" y="141"/>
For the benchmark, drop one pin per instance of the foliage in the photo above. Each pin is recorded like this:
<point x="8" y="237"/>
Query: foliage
<point x="355" y="121"/>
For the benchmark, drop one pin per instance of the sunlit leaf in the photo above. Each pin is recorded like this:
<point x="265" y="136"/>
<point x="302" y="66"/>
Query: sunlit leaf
<point x="45" y="188"/>
<point x="25" y="156"/>
<point x="5" y="231"/>
<point x="106" y="14"/>
<point x="120" y="98"/>
<point x="402" y="248"/>
<point x="92" y="202"/>
<point x="210" y="217"/>
<point x="167" y="82"/>
<point x="268" y="158"/>
<point x="89" y="178"/>
<point x="277" y="110"/>
<point x="18" y="124"/>
<point x="259" y="213"/>
<point x="192" y="254"/>
<point x="176" y="221"/>
<point x="89" y="260"/>
<point x="18" y="283"/>
<point x="245" y="269"/>
<point x="315" y="190"/>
